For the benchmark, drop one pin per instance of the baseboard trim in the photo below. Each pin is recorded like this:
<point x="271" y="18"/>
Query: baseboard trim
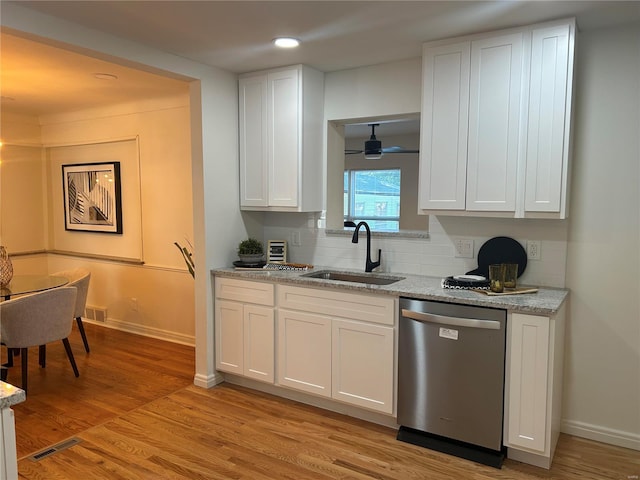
<point x="598" y="433"/>
<point x="207" y="381"/>
<point x="145" y="331"/>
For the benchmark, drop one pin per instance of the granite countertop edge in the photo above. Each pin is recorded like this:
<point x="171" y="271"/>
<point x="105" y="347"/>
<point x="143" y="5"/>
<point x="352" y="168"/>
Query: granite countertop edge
<point x="546" y="301"/>
<point x="10" y="395"/>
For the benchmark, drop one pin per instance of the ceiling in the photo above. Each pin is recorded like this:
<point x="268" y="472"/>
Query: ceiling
<point x="40" y="79"/>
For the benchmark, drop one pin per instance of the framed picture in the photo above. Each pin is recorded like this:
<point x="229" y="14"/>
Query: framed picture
<point x="92" y="201"/>
<point x="277" y="251"/>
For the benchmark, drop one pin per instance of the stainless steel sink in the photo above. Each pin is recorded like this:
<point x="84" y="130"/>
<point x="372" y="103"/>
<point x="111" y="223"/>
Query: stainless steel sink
<point x="366" y="278"/>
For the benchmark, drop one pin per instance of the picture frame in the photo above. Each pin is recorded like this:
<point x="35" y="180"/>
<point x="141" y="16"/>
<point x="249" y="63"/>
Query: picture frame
<point x="277" y="251"/>
<point x="92" y="197"/>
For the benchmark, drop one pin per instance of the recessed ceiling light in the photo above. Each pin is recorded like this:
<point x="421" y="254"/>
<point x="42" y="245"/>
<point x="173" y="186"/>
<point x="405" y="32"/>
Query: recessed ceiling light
<point x="105" y="76"/>
<point x="286" y="42"/>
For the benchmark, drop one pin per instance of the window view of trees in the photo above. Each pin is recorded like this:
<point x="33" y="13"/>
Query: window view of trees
<point x="373" y="196"/>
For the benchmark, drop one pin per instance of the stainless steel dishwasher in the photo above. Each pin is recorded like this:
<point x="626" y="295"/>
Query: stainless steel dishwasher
<point x="451" y="378"/>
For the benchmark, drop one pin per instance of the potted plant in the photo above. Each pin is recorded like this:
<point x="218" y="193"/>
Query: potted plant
<point x="250" y="250"/>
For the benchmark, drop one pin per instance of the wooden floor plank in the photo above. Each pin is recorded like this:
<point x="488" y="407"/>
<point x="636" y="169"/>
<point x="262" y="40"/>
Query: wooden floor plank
<point x="139" y="416"/>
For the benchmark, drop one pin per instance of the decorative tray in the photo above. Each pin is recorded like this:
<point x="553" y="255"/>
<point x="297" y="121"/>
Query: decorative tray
<point x="513" y="291"/>
<point x="273" y="266"/>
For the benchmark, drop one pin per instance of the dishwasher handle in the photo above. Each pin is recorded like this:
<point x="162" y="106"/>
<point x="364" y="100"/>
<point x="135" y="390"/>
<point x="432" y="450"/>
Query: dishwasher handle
<point x="453" y="321"/>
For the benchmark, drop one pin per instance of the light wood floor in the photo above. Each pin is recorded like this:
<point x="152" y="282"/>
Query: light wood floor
<point x="138" y="416"/>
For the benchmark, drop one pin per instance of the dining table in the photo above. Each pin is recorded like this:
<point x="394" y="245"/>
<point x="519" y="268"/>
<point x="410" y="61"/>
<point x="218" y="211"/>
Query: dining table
<point x="23" y="284"/>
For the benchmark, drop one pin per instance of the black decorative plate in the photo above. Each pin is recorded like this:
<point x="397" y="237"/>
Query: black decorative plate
<point x="241" y="264"/>
<point x="500" y="250"/>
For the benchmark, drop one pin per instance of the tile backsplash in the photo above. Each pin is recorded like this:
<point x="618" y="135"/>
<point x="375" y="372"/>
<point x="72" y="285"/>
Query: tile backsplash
<point x="432" y="256"/>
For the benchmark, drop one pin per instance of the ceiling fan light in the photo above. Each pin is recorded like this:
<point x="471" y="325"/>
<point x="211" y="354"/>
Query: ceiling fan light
<point x="373" y="149"/>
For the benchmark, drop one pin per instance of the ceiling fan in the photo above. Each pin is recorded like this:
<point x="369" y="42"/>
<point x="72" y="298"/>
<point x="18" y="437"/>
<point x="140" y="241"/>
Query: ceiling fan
<point x="373" y="149"/>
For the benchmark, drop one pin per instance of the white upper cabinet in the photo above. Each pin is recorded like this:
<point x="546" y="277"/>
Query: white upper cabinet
<point x="494" y="114"/>
<point x="495" y="123"/>
<point x="445" y="126"/>
<point x="549" y="119"/>
<point x="280" y="114"/>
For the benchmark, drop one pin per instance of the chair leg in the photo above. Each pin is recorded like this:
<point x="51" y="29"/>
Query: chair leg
<point x="24" y="353"/>
<point x="67" y="347"/>
<point x="9" y="357"/>
<point x="42" y="355"/>
<point x="3" y="373"/>
<point x="84" y="335"/>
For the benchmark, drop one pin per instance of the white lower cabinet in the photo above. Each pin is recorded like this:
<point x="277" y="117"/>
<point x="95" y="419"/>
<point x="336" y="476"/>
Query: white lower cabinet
<point x="304" y="352"/>
<point x="327" y="343"/>
<point x="245" y="332"/>
<point x="362" y="364"/>
<point x="533" y="387"/>
<point x="338" y="345"/>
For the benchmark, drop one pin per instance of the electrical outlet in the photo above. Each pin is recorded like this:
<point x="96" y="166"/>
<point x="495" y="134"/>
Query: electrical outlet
<point x="463" y="247"/>
<point x="533" y="249"/>
<point x="134" y="304"/>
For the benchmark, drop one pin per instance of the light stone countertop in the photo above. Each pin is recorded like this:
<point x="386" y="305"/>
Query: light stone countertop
<point x="10" y="395"/>
<point x="547" y="301"/>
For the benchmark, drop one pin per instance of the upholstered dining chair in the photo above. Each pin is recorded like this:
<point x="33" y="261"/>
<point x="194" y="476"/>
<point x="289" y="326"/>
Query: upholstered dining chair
<point x="38" y="319"/>
<point x="79" y="278"/>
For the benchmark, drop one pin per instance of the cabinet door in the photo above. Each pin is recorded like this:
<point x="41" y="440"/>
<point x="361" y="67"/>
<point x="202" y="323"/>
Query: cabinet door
<point x="443" y="147"/>
<point x="547" y="130"/>
<point x="362" y="365"/>
<point x="528" y="376"/>
<point x="494" y="120"/>
<point x="253" y="141"/>
<point x="304" y="352"/>
<point x="259" y="342"/>
<point x="229" y="325"/>
<point x="283" y="130"/>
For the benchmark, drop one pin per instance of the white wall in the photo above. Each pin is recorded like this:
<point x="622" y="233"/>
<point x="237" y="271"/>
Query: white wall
<point x="602" y="376"/>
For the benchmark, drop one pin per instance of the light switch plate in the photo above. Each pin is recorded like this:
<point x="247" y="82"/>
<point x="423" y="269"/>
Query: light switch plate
<point x="463" y="247"/>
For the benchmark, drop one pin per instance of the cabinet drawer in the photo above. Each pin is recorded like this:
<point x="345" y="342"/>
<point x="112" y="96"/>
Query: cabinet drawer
<point x="244" y="291"/>
<point x="357" y="306"/>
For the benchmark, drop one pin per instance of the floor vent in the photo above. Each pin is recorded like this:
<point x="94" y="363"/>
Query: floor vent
<point x="47" y="452"/>
<point x="98" y="314"/>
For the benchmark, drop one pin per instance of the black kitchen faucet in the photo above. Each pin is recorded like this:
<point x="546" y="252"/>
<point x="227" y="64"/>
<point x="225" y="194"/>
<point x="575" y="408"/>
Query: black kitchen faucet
<point x="370" y="265"/>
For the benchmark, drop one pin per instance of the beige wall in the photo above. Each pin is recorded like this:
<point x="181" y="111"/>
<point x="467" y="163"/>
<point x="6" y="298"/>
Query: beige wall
<point x="214" y="150"/>
<point x="21" y="212"/>
<point x="152" y="141"/>
<point x="22" y="203"/>
<point x="156" y="298"/>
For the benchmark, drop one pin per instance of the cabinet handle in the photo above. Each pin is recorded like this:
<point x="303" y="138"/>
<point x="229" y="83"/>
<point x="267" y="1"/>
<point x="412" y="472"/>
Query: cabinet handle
<point x="453" y="321"/>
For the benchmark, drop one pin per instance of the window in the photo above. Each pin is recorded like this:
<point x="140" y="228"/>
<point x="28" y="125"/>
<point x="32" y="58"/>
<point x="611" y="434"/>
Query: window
<point x="373" y="196"/>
